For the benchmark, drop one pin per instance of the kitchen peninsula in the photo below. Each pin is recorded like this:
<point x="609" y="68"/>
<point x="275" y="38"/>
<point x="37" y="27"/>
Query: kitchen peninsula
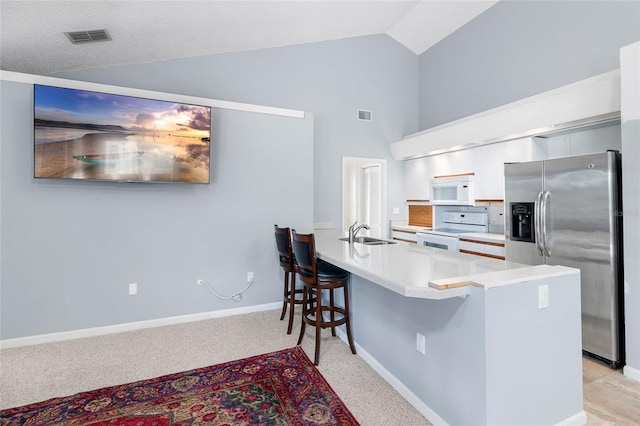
<point x="492" y="337"/>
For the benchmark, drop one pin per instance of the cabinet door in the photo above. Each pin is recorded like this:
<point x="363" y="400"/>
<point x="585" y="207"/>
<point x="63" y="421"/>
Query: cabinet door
<point x="489" y="165"/>
<point x="453" y="163"/>
<point x="482" y="248"/>
<point x="403" y="235"/>
<point x="489" y="171"/>
<point x="471" y="247"/>
<point x="518" y="150"/>
<point x="417" y="174"/>
<point x="497" y="251"/>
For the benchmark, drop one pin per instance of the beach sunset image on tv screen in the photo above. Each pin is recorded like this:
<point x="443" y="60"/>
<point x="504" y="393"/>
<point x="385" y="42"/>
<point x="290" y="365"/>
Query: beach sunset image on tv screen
<point x="80" y="134"/>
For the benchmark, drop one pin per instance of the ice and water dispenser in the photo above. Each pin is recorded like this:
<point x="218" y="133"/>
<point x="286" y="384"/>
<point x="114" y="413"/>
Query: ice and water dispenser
<point x="522" y="226"/>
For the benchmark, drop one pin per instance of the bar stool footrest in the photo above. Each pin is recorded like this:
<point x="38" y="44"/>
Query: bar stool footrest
<point x="310" y="316"/>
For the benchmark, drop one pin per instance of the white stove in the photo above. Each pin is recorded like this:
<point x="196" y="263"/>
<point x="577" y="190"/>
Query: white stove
<point x="455" y="224"/>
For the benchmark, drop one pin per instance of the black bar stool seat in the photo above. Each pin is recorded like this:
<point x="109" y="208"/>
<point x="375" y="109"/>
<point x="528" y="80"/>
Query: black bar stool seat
<point x="318" y="277"/>
<point x="327" y="270"/>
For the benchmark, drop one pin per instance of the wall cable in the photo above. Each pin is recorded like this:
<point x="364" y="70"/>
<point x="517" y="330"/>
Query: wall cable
<point x="235" y="296"/>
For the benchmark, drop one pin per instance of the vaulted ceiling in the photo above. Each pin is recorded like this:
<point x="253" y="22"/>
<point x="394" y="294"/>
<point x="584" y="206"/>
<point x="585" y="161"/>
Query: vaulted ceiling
<point x="32" y="38"/>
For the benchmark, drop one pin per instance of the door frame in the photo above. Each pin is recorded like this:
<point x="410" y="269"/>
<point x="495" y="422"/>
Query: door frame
<point x="350" y="185"/>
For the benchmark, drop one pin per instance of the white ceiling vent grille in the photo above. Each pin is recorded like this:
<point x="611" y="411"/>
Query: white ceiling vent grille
<point x="91" y="36"/>
<point x="364" y="115"/>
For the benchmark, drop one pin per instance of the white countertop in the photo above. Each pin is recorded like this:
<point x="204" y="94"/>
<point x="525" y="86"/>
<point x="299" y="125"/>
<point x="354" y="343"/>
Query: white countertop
<point x="425" y="272"/>
<point x="506" y="277"/>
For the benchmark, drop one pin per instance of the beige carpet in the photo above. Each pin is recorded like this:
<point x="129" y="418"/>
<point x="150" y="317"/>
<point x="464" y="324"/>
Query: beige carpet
<point x="35" y="373"/>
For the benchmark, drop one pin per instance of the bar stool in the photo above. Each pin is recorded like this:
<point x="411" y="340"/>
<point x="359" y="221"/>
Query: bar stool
<point x="319" y="276"/>
<point x="287" y="261"/>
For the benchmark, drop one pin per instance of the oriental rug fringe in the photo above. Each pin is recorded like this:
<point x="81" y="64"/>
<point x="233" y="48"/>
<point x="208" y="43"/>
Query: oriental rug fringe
<point x="278" y="388"/>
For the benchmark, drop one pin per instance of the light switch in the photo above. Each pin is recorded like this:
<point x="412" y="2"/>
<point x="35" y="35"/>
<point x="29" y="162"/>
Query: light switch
<point x="396" y="210"/>
<point x="543" y="296"/>
<point x="420" y="343"/>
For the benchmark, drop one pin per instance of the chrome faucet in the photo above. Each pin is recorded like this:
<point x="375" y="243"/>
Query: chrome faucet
<point x="353" y="231"/>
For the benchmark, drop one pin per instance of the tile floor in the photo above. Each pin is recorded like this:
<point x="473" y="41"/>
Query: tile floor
<point x="609" y="397"/>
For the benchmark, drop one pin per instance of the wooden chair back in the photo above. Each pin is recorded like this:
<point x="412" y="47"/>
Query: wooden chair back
<point x="283" y="243"/>
<point x="304" y="249"/>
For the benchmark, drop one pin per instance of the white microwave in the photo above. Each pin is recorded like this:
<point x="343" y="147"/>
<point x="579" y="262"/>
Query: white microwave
<point x="453" y="190"/>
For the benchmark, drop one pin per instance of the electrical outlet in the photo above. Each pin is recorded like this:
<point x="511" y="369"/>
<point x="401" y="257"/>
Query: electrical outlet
<point x="420" y="343"/>
<point x="543" y="296"/>
<point x="250" y="277"/>
<point x="396" y="210"/>
<point x="133" y="289"/>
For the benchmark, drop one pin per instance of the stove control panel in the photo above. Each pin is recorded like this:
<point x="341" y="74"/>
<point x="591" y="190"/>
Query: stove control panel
<point x="466" y="218"/>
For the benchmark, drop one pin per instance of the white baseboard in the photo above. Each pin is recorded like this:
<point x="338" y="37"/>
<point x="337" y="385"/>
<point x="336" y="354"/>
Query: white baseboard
<point x="579" y="419"/>
<point x="130" y="326"/>
<point x="403" y="390"/>
<point x="632" y="373"/>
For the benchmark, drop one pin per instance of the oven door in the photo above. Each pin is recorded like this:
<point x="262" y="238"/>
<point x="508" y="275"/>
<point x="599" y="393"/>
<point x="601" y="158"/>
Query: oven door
<point x="437" y="241"/>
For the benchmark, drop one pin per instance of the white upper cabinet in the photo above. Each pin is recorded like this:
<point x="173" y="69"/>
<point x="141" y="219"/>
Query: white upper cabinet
<point x="417" y="174"/>
<point x="489" y="165"/>
<point x="518" y="150"/>
<point x="486" y="162"/>
<point x="489" y="171"/>
<point x="453" y="163"/>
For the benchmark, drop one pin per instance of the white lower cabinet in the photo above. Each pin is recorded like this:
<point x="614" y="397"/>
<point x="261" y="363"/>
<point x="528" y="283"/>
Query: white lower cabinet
<point x="482" y="248"/>
<point x="404" y="235"/>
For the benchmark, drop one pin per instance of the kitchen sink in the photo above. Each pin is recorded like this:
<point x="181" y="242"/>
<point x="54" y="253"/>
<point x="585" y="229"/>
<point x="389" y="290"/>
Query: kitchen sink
<point x="368" y="241"/>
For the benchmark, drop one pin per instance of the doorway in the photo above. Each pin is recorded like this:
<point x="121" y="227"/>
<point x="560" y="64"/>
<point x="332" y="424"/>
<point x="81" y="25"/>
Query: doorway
<point x="364" y="194"/>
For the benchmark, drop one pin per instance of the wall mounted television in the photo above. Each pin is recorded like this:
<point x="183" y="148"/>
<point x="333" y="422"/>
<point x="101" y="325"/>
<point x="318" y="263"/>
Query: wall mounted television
<point x="80" y="134"/>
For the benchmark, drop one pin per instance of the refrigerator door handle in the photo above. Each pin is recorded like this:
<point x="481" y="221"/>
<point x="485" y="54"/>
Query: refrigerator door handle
<point x="543" y="222"/>
<point x="536" y="223"/>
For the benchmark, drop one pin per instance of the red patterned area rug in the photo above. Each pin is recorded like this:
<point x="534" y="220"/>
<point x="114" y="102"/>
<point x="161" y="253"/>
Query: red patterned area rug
<point x="278" y="388"/>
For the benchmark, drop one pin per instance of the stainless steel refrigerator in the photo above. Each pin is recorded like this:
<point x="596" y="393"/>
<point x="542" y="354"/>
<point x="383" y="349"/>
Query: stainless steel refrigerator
<point x="568" y="211"/>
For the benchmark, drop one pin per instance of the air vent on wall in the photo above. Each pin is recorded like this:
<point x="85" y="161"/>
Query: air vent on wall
<point x="90" y="36"/>
<point x="364" y="115"/>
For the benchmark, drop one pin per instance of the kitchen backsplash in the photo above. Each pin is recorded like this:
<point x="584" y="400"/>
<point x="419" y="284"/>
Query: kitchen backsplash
<point x="496" y="218"/>
<point x="428" y="216"/>
<point x="421" y="215"/>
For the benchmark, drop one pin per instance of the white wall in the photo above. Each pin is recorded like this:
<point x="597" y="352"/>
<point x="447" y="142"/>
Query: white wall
<point x="518" y="49"/>
<point x="330" y="79"/>
<point x="70" y="248"/>
<point x="265" y="170"/>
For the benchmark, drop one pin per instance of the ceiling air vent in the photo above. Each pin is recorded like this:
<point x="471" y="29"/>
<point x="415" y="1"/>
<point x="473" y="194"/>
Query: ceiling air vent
<point x="364" y="115"/>
<point x="78" y="37"/>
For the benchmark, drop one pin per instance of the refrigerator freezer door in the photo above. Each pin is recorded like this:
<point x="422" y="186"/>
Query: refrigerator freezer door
<point x="522" y="183"/>
<point x="580" y="233"/>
